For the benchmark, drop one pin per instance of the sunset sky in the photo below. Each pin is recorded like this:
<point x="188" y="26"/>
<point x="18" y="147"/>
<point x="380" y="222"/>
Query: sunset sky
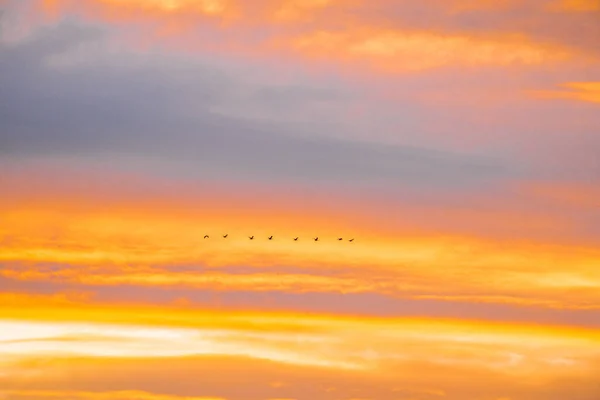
<point x="457" y="141"/>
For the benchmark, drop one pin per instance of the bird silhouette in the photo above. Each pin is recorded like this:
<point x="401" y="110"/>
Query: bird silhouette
<point x="295" y="239"/>
<point x="271" y="237"/>
<point x="340" y="239"/>
<point x="225" y="235"/>
<point x="251" y="237"/>
<point x="206" y="236"/>
<point x="351" y="240"/>
<point x="317" y="239"/>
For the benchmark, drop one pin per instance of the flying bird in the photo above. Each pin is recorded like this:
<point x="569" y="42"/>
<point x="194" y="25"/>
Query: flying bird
<point x="225" y="235"/>
<point x="206" y="236"/>
<point x="295" y="239"/>
<point x="351" y="240"/>
<point x="271" y="237"/>
<point x="340" y="239"/>
<point x="250" y="237"/>
<point x="317" y="239"/>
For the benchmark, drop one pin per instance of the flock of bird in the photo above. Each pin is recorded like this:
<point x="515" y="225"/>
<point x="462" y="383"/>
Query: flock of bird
<point x="316" y="239"/>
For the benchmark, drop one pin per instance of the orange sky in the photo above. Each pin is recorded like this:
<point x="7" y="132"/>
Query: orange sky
<point x="455" y="141"/>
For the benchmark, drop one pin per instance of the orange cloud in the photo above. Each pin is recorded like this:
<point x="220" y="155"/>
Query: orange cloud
<point x="117" y="246"/>
<point x="130" y="8"/>
<point x="576" y="5"/>
<point x="471" y="5"/>
<point x="111" y="237"/>
<point x="75" y="395"/>
<point x="303" y="10"/>
<point x="552" y="291"/>
<point x="581" y="91"/>
<point x="177" y="15"/>
<point x="340" y="35"/>
<point x="413" y="50"/>
<point x="206" y="375"/>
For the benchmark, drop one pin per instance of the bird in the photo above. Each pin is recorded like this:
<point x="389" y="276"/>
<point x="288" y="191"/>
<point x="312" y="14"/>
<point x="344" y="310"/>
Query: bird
<point x="271" y="237"/>
<point x="317" y="239"/>
<point x="351" y="240"/>
<point x="340" y="239"/>
<point x="295" y="239"/>
<point x="251" y="237"/>
<point x="225" y="235"/>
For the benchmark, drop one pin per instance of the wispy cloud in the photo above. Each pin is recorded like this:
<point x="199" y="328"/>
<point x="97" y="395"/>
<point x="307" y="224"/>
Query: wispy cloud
<point x="581" y="91"/>
<point x="349" y="354"/>
<point x="414" y="50"/>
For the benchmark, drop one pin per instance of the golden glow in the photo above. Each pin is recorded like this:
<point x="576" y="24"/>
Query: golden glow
<point x="97" y="330"/>
<point x="48" y="339"/>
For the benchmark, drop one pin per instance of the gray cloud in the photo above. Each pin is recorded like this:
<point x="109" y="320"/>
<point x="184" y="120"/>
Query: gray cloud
<point x="165" y="113"/>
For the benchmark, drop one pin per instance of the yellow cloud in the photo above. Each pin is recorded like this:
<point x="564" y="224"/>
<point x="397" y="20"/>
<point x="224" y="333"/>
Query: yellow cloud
<point x="43" y="340"/>
<point x="300" y="339"/>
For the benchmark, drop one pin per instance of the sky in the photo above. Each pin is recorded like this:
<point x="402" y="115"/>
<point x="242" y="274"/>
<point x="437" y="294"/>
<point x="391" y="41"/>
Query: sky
<point x="456" y="141"/>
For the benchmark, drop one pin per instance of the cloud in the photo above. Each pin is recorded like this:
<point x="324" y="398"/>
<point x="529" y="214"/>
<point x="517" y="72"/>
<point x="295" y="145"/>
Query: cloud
<point x="581" y="91"/>
<point x="576" y="5"/>
<point x="453" y="353"/>
<point x="97" y="230"/>
<point x="461" y="32"/>
<point x="73" y="395"/>
<point x="166" y="113"/>
<point x="479" y="305"/>
<point x="133" y="128"/>
<point x="312" y="340"/>
<point x="187" y="101"/>
<point x="414" y="50"/>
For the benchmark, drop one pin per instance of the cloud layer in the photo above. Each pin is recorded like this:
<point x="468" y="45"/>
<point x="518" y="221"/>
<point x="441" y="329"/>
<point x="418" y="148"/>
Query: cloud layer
<point x="455" y="141"/>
